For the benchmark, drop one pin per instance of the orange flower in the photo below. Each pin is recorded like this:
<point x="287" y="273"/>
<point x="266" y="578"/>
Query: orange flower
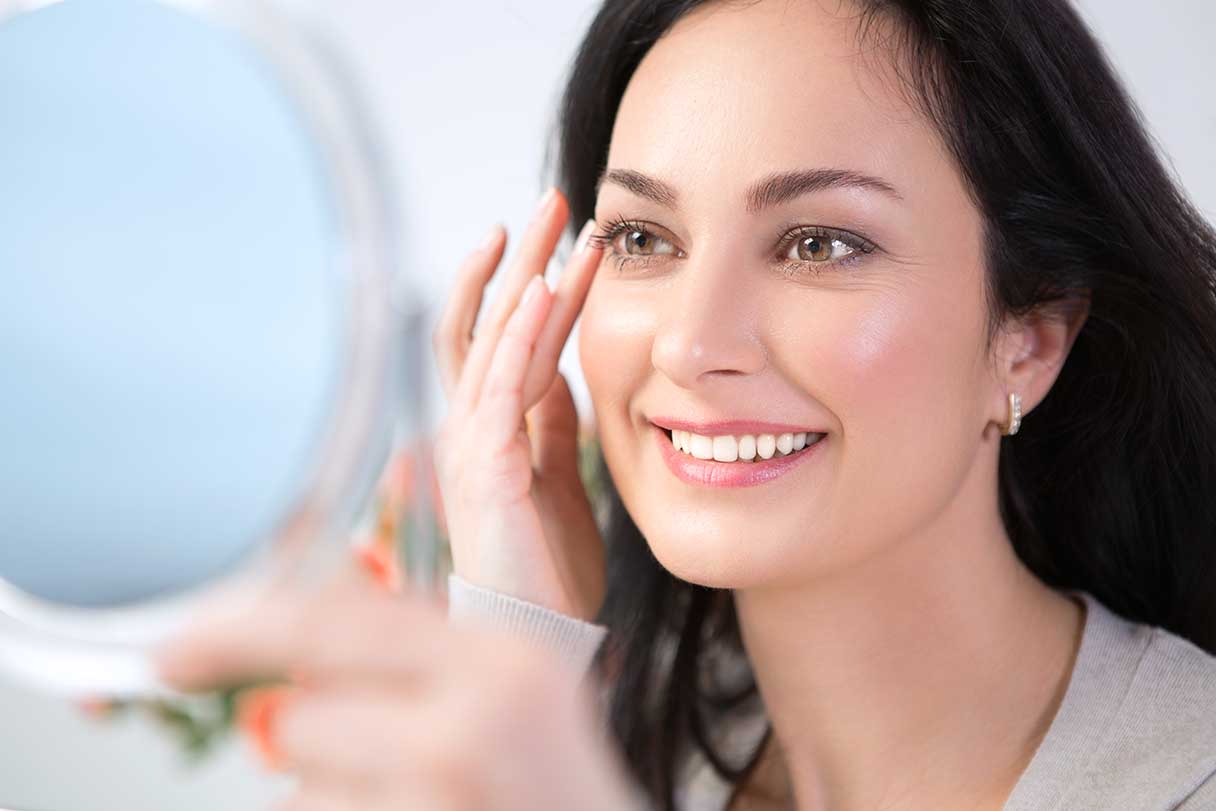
<point x="256" y="713"/>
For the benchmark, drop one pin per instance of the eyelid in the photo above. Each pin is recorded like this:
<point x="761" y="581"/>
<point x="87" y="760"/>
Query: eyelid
<point x="607" y="233"/>
<point x="859" y="244"/>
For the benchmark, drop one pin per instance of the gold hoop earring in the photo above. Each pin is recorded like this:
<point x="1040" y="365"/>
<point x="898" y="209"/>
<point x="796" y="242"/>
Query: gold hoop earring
<point x="1015" y="415"/>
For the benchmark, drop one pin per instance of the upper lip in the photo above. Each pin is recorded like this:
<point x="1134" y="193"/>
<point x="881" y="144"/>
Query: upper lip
<point x="734" y="427"/>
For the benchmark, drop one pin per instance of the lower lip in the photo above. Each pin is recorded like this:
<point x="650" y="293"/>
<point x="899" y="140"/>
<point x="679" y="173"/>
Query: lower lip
<point x="708" y="473"/>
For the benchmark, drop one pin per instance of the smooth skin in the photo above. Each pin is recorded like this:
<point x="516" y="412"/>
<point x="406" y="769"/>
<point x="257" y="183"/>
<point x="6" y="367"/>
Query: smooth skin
<point x="518" y="515"/>
<point x="906" y="657"/>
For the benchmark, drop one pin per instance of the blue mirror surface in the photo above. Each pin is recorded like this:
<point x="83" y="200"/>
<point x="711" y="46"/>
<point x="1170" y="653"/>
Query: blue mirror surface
<point x="171" y="301"/>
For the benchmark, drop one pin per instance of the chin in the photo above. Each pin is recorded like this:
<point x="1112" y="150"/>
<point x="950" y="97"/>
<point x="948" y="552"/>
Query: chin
<point x="710" y="553"/>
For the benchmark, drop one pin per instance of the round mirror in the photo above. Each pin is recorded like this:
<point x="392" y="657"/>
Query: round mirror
<point x="196" y="327"/>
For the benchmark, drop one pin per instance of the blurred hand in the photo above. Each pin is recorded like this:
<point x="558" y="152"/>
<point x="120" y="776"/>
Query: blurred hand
<point x="391" y="707"/>
<point x="519" y="519"/>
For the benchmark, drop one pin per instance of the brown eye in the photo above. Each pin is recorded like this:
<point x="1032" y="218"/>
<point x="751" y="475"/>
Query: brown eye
<point x="817" y="248"/>
<point x="640" y="242"/>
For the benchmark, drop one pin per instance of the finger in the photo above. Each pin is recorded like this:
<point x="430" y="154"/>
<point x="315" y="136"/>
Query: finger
<point x="347" y="629"/>
<point x="421" y="797"/>
<point x="454" y="330"/>
<point x="317" y="792"/>
<point x="569" y="297"/>
<point x="392" y="732"/>
<point x="553" y="423"/>
<point x="537" y="246"/>
<point x="502" y="396"/>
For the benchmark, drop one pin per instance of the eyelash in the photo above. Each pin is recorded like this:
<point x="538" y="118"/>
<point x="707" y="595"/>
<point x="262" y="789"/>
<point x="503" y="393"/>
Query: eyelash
<point x="609" y="232"/>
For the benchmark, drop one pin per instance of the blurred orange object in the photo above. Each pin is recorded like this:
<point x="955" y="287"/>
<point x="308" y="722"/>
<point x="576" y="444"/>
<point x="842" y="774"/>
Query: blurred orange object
<point x="96" y="706"/>
<point x="380" y="561"/>
<point x="256" y="718"/>
<point x="399" y="486"/>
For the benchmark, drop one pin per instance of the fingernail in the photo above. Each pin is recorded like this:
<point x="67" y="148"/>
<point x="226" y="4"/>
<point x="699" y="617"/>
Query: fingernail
<point x="172" y="662"/>
<point x="584" y="237"/>
<point x="257" y="711"/>
<point x="531" y="290"/>
<point x="546" y="200"/>
<point x="491" y="238"/>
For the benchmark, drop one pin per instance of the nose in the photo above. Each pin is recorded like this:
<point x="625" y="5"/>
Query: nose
<point x="708" y="326"/>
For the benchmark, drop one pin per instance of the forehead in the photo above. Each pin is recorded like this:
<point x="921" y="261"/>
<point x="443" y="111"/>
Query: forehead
<point x="735" y="91"/>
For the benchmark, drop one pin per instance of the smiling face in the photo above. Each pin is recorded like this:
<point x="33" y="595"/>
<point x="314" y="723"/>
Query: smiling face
<point x="755" y="275"/>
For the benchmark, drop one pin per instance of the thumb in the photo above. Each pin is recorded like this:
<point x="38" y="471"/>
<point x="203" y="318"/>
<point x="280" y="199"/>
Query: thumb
<point x="553" y="428"/>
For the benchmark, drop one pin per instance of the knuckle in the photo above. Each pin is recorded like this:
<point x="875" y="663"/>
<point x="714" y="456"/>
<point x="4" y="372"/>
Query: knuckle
<point x="502" y="392"/>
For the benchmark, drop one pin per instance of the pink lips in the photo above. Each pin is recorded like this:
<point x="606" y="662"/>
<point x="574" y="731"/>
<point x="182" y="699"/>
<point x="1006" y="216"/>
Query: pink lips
<point x="709" y="473"/>
<point x="735" y="427"/>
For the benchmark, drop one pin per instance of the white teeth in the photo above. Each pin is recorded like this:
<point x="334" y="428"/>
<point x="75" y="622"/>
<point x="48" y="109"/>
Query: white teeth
<point x="726" y="449"/>
<point x="744" y="448"/>
<point x="702" y="447"/>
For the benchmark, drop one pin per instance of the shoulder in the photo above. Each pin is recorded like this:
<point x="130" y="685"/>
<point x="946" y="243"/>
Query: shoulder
<point x="1161" y="743"/>
<point x="1175" y="686"/>
<point x="1186" y="696"/>
<point x="1203" y="798"/>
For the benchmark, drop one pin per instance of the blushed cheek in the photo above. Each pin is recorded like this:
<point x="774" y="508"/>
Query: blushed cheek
<point x="883" y="357"/>
<point x="614" y="341"/>
<point x="901" y="383"/>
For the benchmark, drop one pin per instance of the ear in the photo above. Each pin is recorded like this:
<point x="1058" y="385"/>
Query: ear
<point x="1030" y="353"/>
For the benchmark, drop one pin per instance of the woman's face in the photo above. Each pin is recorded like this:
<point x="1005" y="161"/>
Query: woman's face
<point x="740" y="289"/>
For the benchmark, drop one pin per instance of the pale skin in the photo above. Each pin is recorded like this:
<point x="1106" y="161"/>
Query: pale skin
<point x="905" y="656"/>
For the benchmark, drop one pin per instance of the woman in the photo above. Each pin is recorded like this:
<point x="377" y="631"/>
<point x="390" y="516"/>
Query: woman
<point x="902" y="348"/>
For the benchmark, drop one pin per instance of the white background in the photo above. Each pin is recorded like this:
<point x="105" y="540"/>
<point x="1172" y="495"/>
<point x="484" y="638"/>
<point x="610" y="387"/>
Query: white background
<point x="465" y="95"/>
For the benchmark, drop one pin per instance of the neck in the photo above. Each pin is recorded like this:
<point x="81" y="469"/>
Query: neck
<point x="923" y="677"/>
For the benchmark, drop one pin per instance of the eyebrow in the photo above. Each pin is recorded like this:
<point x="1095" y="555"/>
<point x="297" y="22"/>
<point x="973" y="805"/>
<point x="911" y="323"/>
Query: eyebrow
<point x="772" y="190"/>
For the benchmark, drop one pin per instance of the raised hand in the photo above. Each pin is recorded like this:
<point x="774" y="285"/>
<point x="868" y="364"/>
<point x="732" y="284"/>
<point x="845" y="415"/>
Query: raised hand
<point x="518" y="517"/>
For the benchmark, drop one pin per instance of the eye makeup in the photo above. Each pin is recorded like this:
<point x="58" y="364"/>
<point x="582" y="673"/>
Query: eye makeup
<point x="636" y="243"/>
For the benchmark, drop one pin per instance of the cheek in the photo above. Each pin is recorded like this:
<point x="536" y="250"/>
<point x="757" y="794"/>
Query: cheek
<point x="615" y="333"/>
<point x="915" y="360"/>
<point x="899" y="373"/>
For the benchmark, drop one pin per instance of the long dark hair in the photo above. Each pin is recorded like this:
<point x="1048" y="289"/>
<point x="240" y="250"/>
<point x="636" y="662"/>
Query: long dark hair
<point x="1110" y="486"/>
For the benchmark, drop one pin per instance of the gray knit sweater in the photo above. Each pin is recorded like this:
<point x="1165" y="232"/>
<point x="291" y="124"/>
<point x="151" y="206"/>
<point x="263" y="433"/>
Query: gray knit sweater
<point x="1136" y="730"/>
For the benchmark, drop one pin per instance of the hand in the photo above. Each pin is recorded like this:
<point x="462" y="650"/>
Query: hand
<point x="392" y="707"/>
<point x="518" y="517"/>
